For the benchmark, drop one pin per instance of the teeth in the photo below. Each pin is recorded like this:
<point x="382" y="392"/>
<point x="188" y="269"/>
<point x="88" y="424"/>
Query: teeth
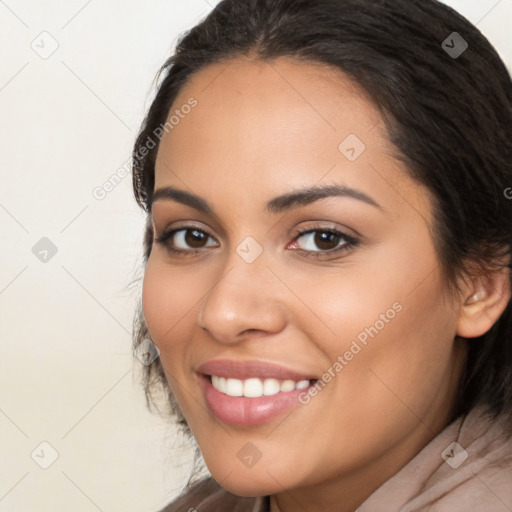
<point x="234" y="387"/>
<point x="271" y="387"/>
<point x="219" y="383"/>
<point x="287" y="385"/>
<point x="254" y="387"/>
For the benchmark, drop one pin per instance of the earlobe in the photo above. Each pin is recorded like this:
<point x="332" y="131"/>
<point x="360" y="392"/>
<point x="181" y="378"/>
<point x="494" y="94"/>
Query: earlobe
<point x="484" y="303"/>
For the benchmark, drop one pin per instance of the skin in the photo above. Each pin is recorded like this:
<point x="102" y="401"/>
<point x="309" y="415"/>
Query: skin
<point x="260" y="130"/>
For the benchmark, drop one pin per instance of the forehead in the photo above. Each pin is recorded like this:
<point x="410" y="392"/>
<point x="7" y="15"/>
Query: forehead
<point x="268" y="126"/>
<point x="279" y="104"/>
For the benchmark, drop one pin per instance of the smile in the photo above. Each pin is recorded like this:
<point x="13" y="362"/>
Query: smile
<point x="255" y="387"/>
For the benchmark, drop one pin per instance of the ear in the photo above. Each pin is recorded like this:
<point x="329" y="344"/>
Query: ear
<point x="483" y="301"/>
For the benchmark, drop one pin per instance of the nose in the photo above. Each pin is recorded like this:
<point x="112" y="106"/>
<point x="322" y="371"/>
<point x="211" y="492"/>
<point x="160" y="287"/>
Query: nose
<point x="246" y="298"/>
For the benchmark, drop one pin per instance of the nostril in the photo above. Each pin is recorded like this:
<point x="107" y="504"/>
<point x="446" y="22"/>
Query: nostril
<point x="249" y="330"/>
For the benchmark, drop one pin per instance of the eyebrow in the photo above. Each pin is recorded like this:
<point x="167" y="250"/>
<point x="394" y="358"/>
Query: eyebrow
<point x="289" y="201"/>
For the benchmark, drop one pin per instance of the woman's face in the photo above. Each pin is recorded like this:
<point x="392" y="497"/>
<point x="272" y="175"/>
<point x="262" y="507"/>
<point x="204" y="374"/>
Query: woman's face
<point x="357" y="302"/>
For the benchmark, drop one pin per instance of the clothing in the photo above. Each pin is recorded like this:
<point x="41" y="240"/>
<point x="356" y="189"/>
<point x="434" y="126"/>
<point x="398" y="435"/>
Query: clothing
<point x="480" y="482"/>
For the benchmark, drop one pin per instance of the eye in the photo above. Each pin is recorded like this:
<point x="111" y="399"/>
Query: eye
<point x="318" y="241"/>
<point x="322" y="241"/>
<point x="185" y="239"/>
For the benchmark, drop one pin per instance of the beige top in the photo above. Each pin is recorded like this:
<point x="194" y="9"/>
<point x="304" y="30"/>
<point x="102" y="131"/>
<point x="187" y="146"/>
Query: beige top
<point x="474" y="474"/>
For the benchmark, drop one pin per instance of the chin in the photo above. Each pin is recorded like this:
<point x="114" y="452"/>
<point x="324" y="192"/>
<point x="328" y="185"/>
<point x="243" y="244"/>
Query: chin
<point x="249" y="484"/>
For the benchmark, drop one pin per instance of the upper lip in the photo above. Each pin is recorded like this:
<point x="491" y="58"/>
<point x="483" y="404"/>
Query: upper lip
<point x="248" y="369"/>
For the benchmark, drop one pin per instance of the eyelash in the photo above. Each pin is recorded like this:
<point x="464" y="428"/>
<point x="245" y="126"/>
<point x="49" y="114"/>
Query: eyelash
<point x="350" y="242"/>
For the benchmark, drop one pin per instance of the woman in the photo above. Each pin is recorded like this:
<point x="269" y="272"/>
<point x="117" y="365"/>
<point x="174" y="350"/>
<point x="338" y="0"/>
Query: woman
<point x="327" y="252"/>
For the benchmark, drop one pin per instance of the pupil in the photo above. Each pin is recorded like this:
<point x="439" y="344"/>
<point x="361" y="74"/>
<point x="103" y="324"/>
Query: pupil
<point x="325" y="240"/>
<point x="194" y="238"/>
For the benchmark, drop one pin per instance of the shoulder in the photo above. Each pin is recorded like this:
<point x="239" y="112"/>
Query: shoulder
<point x="467" y="466"/>
<point x="208" y="496"/>
<point x="476" y="473"/>
<point x="483" y="487"/>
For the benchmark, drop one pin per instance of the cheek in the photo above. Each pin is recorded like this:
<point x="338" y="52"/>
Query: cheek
<point x="344" y="304"/>
<point x="388" y="316"/>
<point x="406" y="342"/>
<point x="420" y="341"/>
<point x="168" y="300"/>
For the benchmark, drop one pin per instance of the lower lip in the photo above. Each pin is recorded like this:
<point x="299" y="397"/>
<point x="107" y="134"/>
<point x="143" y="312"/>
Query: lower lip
<point x="245" y="411"/>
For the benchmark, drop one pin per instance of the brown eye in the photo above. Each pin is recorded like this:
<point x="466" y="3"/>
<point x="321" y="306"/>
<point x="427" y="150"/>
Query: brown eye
<point x="322" y="240"/>
<point x="325" y="240"/>
<point x="194" y="238"/>
<point x="185" y="240"/>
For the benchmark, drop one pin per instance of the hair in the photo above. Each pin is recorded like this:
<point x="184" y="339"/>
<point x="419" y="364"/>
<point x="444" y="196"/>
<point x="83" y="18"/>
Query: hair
<point x="449" y="119"/>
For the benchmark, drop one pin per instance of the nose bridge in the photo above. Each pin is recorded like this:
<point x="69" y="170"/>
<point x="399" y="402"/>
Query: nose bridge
<point x="245" y="297"/>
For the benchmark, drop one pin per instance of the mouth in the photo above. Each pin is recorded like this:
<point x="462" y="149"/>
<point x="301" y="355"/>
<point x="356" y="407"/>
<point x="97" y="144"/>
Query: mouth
<point x="251" y="393"/>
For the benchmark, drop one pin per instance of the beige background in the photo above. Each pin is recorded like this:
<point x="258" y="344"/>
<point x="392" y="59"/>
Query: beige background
<point x="66" y="371"/>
